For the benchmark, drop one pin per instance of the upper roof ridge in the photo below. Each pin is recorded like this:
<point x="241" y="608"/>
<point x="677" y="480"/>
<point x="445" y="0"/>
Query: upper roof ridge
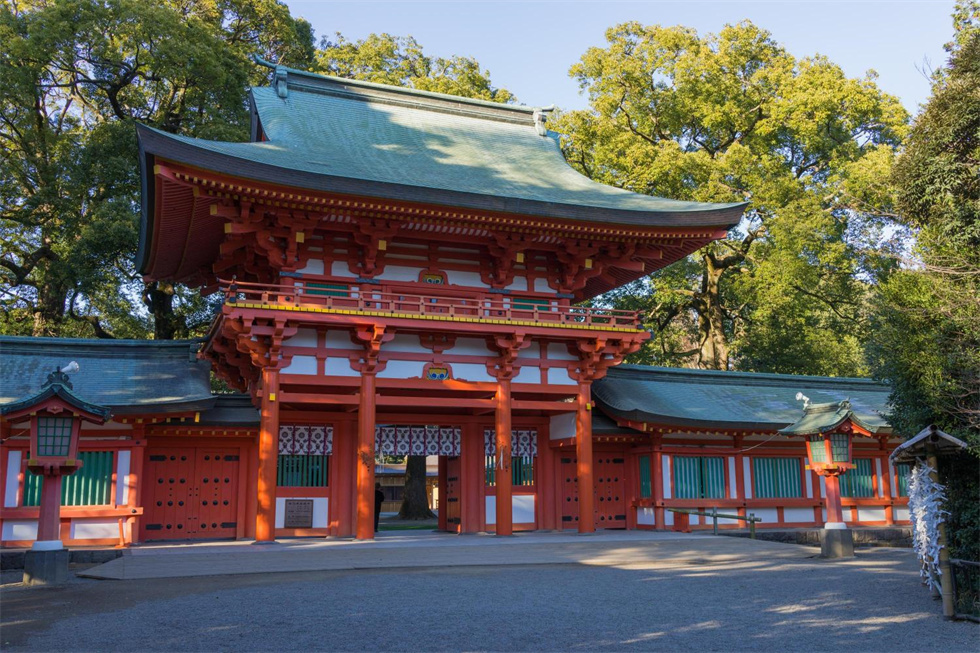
<point x="284" y="79"/>
<point x="722" y="375"/>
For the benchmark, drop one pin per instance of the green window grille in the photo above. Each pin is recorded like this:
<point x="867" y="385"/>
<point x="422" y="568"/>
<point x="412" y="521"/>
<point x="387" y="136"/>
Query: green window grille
<point x="904" y="472"/>
<point x="776" y="478"/>
<point x="646" y="487"/>
<point x="53" y="436"/>
<point x="302" y="470"/>
<point x="839" y="446"/>
<point x="326" y="289"/>
<point x="529" y="304"/>
<point x="817" y="449"/>
<point x="699" y="477"/>
<point x="89" y="486"/>
<point x="521" y="471"/>
<point x="856" y="482"/>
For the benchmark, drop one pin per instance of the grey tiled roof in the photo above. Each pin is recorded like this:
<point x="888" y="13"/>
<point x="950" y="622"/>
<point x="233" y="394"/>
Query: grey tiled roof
<point x="738" y="400"/>
<point x="127" y="376"/>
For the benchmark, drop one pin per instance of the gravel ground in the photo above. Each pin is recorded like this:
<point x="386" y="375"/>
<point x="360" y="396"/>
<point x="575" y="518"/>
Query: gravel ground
<point x="872" y="604"/>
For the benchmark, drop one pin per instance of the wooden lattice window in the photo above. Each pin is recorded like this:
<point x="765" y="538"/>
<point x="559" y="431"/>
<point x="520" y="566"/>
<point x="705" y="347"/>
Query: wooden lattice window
<point x="89" y="486"/>
<point x="857" y="482"/>
<point x="777" y="478"/>
<point x="646" y="484"/>
<point x="904" y="472"/>
<point x="699" y="477"/>
<point x="521" y="471"/>
<point x="303" y="470"/>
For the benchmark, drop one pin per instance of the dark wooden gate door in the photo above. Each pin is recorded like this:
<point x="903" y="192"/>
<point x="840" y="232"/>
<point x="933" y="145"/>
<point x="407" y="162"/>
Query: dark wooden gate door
<point x="190" y="493"/>
<point x="608" y="473"/>
<point x="453" y="510"/>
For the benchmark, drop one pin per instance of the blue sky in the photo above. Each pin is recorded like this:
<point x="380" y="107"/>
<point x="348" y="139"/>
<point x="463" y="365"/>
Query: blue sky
<point x="528" y="47"/>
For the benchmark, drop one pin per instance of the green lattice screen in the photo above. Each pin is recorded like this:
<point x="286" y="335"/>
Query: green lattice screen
<point x="776" y="478"/>
<point x="646" y="486"/>
<point x="904" y="471"/>
<point x="699" y="477"/>
<point x="302" y="470"/>
<point x="521" y="472"/>
<point x="89" y="486"/>
<point x="856" y="482"/>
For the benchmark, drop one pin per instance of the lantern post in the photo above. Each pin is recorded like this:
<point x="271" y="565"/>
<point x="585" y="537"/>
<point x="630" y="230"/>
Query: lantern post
<point x="55" y="415"/>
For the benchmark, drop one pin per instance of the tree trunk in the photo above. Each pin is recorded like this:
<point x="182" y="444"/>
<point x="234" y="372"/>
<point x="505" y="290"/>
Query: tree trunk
<point x="714" y="347"/>
<point x="159" y="298"/>
<point x="415" y="502"/>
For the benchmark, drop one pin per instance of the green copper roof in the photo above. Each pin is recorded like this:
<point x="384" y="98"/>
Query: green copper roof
<point x="128" y="376"/>
<point x="704" y="399"/>
<point x="824" y="418"/>
<point x="338" y="135"/>
<point x="57" y="385"/>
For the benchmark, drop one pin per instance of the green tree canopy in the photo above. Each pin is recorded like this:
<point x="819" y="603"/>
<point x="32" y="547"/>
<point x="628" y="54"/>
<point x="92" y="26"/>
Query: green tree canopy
<point x="734" y="117"/>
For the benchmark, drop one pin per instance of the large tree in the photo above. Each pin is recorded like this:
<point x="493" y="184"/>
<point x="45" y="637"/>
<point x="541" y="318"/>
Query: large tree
<point x="75" y="75"/>
<point x="927" y="326"/>
<point x="735" y="117"/>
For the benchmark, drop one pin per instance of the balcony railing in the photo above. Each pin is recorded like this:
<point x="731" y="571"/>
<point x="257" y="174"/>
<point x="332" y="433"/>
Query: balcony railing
<point x="317" y="296"/>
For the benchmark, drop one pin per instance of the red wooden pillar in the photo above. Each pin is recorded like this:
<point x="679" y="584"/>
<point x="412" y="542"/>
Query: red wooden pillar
<point x="265" y="517"/>
<point x="342" y="480"/>
<point x="583" y="450"/>
<point x="659" y="514"/>
<point x="834" y="512"/>
<point x="502" y="474"/>
<point x="443" y="503"/>
<point x="545" y="482"/>
<point x="49" y="521"/>
<point x="472" y="479"/>
<point x="365" y="456"/>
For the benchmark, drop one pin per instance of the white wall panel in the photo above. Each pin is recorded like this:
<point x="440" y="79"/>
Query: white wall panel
<point x="646" y="516"/>
<point x="123" y="489"/>
<point x="94" y="529"/>
<point x="303" y="338"/>
<point x="407" y="343"/>
<point x="541" y="285"/>
<point x="339" y="367"/>
<point x="402" y="370"/>
<point x="560" y="352"/>
<point x="472" y="372"/>
<point x="313" y="266"/>
<point x="465" y="278"/>
<point x="12" y="480"/>
<point x="768" y="515"/>
<point x="340" y="269"/>
<point x="522" y="509"/>
<point x="871" y="514"/>
<point x="559" y="376"/>
<point x="797" y="515"/>
<point x="340" y="339"/>
<point x="470" y="347"/>
<point x="301" y="365"/>
<point x="732" y="481"/>
<point x="528" y="374"/>
<point x="667" y="475"/>
<point x="19" y="530"/>
<point x="901" y="513"/>
<point x="747" y="476"/>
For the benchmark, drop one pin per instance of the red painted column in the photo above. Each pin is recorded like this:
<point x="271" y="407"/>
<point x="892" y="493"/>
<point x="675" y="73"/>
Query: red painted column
<point x="502" y="474"/>
<point x="545" y="483"/>
<point x="49" y="521"/>
<point x="443" y="498"/>
<point x="583" y="451"/>
<point x="834" y="512"/>
<point x="342" y="480"/>
<point x="659" y="514"/>
<point x="265" y="513"/>
<point x="366" y="419"/>
<point x="472" y="478"/>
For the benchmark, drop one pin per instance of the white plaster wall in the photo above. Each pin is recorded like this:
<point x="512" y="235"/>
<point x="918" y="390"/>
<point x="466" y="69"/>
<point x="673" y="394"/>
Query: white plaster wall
<point x="562" y="426"/>
<point x="732" y="481"/>
<point x="646" y="516"/>
<point x="313" y="266"/>
<point x="12" y="483"/>
<point x="900" y="513"/>
<point x="321" y="511"/>
<point x="19" y="530"/>
<point x="559" y="376"/>
<point x="339" y="367"/>
<point x="340" y="269"/>
<point x="668" y="518"/>
<point x="519" y="284"/>
<point x="823" y="487"/>
<point x="721" y="520"/>
<point x="747" y="476"/>
<point x="465" y="278"/>
<point x="94" y="529"/>
<point x="521" y="512"/>
<point x="666" y="479"/>
<point x="471" y="372"/>
<point x="766" y="514"/>
<point x="528" y="374"/>
<point x="894" y="479"/>
<point x="808" y="478"/>
<point x="406" y="343"/>
<point x="301" y="365"/>
<point x="303" y="338"/>
<point x="400" y="273"/>
<point x="881" y="487"/>
<point x="402" y="370"/>
<point x="871" y="514"/>
<point x="123" y="458"/>
<point x="541" y="285"/>
<point x="339" y="340"/>
<point x="470" y="347"/>
<point x="533" y="351"/>
<point x="798" y="515"/>
<point x="559" y="352"/>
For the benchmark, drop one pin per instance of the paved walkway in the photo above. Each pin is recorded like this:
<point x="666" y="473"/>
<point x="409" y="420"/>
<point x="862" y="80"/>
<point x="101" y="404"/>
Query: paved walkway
<point x="412" y="549"/>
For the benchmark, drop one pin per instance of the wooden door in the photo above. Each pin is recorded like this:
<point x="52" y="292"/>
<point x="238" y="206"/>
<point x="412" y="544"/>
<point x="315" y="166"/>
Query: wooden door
<point x="453" y="487"/>
<point x="569" y="493"/>
<point x="609" y="479"/>
<point x="190" y="493"/>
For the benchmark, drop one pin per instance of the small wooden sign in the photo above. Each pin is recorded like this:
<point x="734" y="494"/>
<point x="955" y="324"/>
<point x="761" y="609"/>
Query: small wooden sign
<point x="299" y="513"/>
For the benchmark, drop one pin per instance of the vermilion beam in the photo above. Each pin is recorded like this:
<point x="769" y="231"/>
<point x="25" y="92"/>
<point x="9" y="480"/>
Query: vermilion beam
<point x="502" y="475"/>
<point x="583" y="450"/>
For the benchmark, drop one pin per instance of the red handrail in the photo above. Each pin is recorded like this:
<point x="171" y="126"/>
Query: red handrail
<point x="320" y="294"/>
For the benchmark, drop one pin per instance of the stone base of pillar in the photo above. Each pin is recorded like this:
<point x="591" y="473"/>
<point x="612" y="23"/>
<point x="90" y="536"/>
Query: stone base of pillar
<point x="46" y="567"/>
<point x="836" y="543"/>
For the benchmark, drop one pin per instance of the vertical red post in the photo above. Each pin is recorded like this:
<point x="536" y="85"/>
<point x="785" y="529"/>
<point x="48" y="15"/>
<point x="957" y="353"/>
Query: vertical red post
<point x="502" y="473"/>
<point x="366" y="418"/>
<point x="342" y="480"/>
<point x="472" y="479"/>
<point x="545" y="483"/>
<point x="443" y="496"/>
<point x="265" y="513"/>
<point x="659" y="514"/>
<point x="834" y="511"/>
<point x="49" y="521"/>
<point x="583" y="450"/>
